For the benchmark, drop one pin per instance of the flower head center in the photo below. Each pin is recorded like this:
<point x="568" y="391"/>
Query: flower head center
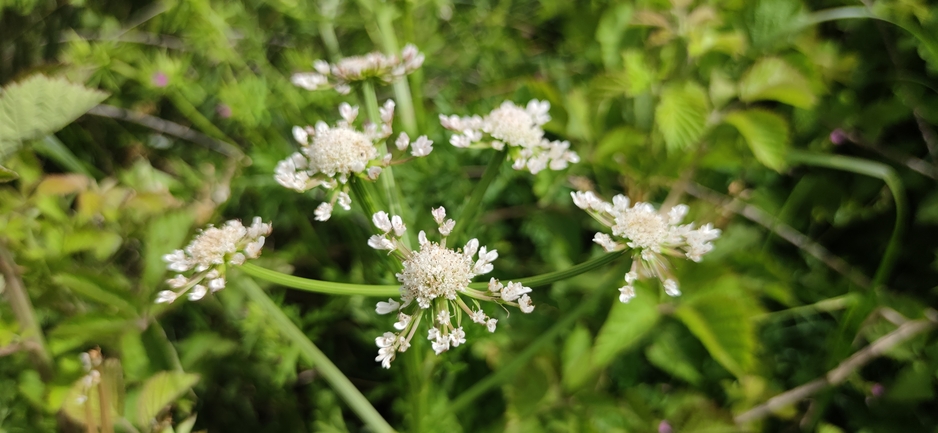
<point x="434" y="272"/>
<point x="513" y="125"/>
<point x="642" y="226"/>
<point x="211" y="246"/>
<point x="340" y="150"/>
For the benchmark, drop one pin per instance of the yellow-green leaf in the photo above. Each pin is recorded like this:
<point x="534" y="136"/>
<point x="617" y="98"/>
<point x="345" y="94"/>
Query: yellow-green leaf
<point x="40" y="105"/>
<point x="722" y="323"/>
<point x="773" y="79"/>
<point x="765" y="132"/>
<point x="626" y="325"/>
<point x="160" y="391"/>
<point x="681" y="115"/>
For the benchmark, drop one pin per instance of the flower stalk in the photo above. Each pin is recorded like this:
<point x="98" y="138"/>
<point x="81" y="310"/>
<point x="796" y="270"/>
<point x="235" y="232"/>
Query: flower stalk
<point x="471" y="210"/>
<point x="339" y="382"/>
<point x="386" y="290"/>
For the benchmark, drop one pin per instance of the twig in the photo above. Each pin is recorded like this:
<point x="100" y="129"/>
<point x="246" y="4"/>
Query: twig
<point x="167" y="127"/>
<point x="838" y="374"/>
<point x="11" y="349"/>
<point x="915" y="164"/>
<point x="22" y="307"/>
<point x="783" y="230"/>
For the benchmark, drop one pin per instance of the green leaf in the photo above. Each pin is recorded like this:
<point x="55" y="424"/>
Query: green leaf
<point x="6" y="174"/>
<point x="765" y="132"/>
<point x="721" y="322"/>
<point x="626" y="325"/>
<point x="89" y="289"/>
<point x="773" y="79"/>
<point x="681" y="115"/>
<point x="160" y="391"/>
<point x="38" y="106"/>
<point x="609" y="32"/>
<point x="576" y="350"/>
<point x="165" y="233"/>
<point x="668" y="354"/>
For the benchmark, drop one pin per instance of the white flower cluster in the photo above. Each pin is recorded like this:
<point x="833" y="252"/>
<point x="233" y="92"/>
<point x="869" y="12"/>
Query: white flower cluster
<point x="207" y="256"/>
<point x="376" y="65"/>
<point x="650" y="234"/>
<point x="434" y="280"/>
<point x="519" y="128"/>
<point x="328" y="156"/>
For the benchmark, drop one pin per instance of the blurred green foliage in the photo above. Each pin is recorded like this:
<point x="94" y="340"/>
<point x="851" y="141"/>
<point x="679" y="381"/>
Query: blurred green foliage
<point x="805" y="130"/>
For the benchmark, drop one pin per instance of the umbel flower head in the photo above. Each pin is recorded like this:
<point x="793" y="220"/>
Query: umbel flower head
<point x="329" y="156"/>
<point x="201" y="265"/>
<point x="435" y="283"/>
<point x="349" y="70"/>
<point x="516" y="127"/>
<point x="651" y="236"/>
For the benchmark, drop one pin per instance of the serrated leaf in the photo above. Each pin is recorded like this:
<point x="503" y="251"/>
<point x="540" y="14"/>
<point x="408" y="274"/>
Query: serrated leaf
<point x="89" y="289"/>
<point x="40" y="105"/>
<point x="668" y="354"/>
<point x="7" y="175"/>
<point x="681" y="115"/>
<point x="721" y="322"/>
<point x="164" y="233"/>
<point x="765" y="132"/>
<point x="160" y="391"/>
<point x="626" y="325"/>
<point x="576" y="350"/>
<point x="83" y="404"/>
<point x="773" y="79"/>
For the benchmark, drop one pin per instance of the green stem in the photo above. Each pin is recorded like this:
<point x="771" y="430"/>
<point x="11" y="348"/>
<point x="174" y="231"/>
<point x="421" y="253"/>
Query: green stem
<point x="386" y="180"/>
<point x="517" y="362"/>
<point x="872" y="169"/>
<point x="327" y="29"/>
<point x="190" y="112"/>
<point x="471" y="209"/>
<point x="348" y="289"/>
<point x="22" y="308"/>
<point x="339" y="382"/>
<point x="370" y="99"/>
<point x="317" y="286"/>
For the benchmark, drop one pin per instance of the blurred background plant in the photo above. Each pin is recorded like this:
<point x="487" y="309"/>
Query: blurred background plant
<point x="804" y="130"/>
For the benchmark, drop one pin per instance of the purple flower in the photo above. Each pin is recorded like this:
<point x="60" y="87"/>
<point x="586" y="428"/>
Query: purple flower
<point x="664" y="427"/>
<point x="159" y="79"/>
<point x="877" y="390"/>
<point x="838" y="136"/>
<point x="223" y="110"/>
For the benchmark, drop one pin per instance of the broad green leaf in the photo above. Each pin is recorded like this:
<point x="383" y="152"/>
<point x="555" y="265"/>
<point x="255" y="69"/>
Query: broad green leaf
<point x="160" y="391"/>
<point x="576" y="351"/>
<point x="765" y="132"/>
<point x="639" y="73"/>
<point x="722" y="89"/>
<point x="165" y="233"/>
<point x="626" y="325"/>
<point x="681" y="115"/>
<point x="668" y="354"/>
<point x="40" y="105"/>
<point x="7" y="175"/>
<point x="609" y="32"/>
<point x="82" y="403"/>
<point x="773" y="79"/>
<point x="722" y="323"/>
<point x="89" y="289"/>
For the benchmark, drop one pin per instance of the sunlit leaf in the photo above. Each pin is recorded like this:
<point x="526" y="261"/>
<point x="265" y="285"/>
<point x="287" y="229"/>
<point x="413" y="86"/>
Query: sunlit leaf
<point x="40" y="105"/>
<point x="722" y="323"/>
<point x="773" y="79"/>
<point x="576" y="351"/>
<point x="160" y="391"/>
<point x="681" y="115"/>
<point x="765" y="132"/>
<point x="626" y="325"/>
